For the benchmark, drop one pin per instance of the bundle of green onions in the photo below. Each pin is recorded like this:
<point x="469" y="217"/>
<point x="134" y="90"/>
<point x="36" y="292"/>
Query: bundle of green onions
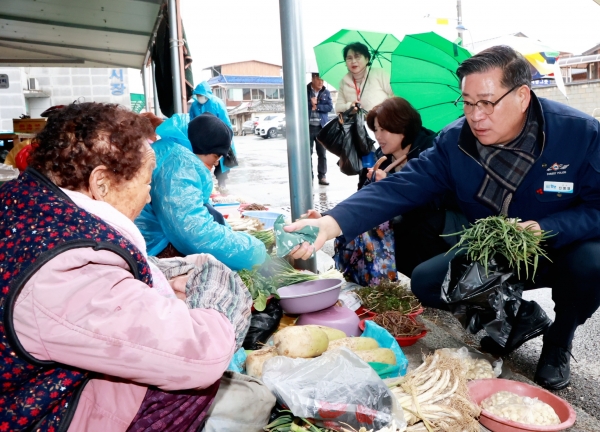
<point x="498" y="235"/>
<point x="267" y="237"/>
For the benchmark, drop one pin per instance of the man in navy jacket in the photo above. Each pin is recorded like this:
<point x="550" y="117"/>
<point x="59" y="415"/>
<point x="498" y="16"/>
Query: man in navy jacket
<point x="512" y="154"/>
<point x="319" y="104"/>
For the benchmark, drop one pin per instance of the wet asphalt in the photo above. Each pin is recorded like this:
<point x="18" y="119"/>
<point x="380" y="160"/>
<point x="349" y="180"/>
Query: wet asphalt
<point x="263" y="177"/>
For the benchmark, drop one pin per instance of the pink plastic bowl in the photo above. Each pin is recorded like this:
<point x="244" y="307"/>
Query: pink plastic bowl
<point x="309" y="296"/>
<point x="484" y="388"/>
<point x="337" y="317"/>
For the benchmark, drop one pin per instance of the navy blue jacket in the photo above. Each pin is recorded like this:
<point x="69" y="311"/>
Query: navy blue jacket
<point x="570" y="154"/>
<point x="324" y="103"/>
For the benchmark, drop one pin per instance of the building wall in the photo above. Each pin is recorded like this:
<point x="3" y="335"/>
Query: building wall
<point x="582" y="96"/>
<point x="12" y="101"/>
<point x="251" y="68"/>
<point x="63" y="86"/>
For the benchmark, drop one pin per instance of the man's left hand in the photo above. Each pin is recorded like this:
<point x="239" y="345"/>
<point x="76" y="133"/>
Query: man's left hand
<point x="531" y="225"/>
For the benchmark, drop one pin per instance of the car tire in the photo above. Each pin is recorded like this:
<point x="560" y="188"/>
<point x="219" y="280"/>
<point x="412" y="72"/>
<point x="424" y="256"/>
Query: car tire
<point x="272" y="133"/>
<point x="243" y="133"/>
<point x="264" y="136"/>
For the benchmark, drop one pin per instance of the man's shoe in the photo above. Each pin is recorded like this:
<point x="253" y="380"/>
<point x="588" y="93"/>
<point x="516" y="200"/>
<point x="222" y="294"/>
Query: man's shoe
<point x="553" y="370"/>
<point x="530" y="323"/>
<point x="323" y="181"/>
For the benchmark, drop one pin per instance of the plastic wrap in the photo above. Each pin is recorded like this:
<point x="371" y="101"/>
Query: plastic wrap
<point x="481" y="300"/>
<point x="335" y="388"/>
<point x="476" y="366"/>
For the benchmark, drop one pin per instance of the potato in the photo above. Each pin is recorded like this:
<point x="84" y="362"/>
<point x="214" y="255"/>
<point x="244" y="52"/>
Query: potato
<point x="301" y="341"/>
<point x="256" y="360"/>
<point x="355" y="343"/>
<point x="332" y="334"/>
<point x="378" y="355"/>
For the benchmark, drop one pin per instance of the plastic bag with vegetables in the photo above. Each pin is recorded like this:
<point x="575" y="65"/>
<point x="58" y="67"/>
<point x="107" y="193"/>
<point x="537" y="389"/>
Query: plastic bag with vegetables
<point x="334" y="388"/>
<point x="286" y="241"/>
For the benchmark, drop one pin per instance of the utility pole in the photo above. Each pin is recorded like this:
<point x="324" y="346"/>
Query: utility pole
<point x="459" y="16"/>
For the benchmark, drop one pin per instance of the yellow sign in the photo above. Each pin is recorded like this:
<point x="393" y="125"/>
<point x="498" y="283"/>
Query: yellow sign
<point x="442" y="21"/>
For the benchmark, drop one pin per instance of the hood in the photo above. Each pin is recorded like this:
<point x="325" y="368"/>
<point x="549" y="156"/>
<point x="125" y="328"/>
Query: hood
<point x="203" y="89"/>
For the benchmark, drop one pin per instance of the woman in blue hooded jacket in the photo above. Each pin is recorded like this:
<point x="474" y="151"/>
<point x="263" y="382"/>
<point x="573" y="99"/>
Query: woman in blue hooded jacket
<point x="180" y="219"/>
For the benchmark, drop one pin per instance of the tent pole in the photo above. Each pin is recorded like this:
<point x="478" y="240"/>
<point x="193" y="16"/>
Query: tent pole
<point x="296" y="112"/>
<point x="180" y="56"/>
<point x="174" y="48"/>
<point x="146" y="90"/>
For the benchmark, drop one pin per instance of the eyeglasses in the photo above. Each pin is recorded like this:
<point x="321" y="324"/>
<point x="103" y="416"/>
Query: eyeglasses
<point x="357" y="57"/>
<point x="485" y="106"/>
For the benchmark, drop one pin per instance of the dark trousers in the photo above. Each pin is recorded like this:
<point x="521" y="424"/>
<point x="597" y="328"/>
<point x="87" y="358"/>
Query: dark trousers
<point x="573" y="275"/>
<point x="321" y="152"/>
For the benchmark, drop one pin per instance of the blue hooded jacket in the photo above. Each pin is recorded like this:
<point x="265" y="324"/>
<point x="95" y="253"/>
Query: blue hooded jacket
<point x="181" y="185"/>
<point x="213" y="105"/>
<point x="570" y="158"/>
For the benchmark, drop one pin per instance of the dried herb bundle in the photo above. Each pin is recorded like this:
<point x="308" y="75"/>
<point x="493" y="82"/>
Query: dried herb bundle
<point x="398" y="324"/>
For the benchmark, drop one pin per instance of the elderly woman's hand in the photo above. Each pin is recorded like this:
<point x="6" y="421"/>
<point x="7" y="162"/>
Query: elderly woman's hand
<point x="379" y="174"/>
<point x="311" y="214"/>
<point x="328" y="229"/>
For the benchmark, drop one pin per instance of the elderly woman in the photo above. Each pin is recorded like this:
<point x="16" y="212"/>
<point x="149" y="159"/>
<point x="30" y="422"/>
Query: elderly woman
<point x="93" y="337"/>
<point x="180" y="220"/>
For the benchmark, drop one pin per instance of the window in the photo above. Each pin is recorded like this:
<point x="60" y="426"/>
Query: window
<point x="235" y="94"/>
<point x="246" y="94"/>
<point x="258" y="94"/>
<point x="274" y="93"/>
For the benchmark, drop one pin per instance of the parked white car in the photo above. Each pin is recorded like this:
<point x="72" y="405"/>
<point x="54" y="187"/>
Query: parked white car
<point x="267" y="127"/>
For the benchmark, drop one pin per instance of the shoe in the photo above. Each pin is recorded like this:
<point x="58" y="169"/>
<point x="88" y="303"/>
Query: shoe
<point x="530" y="323"/>
<point x="323" y="181"/>
<point x="553" y="370"/>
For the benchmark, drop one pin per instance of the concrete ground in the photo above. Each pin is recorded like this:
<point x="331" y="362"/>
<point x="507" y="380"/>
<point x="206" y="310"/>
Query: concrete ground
<point x="263" y="177"/>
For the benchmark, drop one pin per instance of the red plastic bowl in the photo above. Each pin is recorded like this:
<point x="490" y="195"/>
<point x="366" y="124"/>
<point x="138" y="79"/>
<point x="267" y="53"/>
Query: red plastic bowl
<point x="364" y="313"/>
<point x="484" y="388"/>
<point x="402" y="341"/>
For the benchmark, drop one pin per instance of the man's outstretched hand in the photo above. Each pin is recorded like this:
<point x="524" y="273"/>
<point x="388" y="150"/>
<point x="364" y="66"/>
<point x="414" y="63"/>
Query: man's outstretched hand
<point x="328" y="229"/>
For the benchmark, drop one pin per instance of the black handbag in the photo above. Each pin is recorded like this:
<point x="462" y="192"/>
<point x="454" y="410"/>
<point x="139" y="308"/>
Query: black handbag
<point x="230" y="160"/>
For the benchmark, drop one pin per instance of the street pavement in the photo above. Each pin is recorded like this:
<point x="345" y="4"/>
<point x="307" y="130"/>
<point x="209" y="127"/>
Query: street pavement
<point x="263" y="177"/>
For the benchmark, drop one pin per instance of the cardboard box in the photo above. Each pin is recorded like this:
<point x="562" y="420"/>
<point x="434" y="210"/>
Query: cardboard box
<point x="29" y="125"/>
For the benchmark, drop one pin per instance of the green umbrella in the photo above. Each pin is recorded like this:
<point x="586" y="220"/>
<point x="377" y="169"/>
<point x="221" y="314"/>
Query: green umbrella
<point x="330" y="57"/>
<point x="424" y="73"/>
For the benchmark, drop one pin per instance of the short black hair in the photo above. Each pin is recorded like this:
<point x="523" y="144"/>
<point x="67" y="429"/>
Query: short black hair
<point x="515" y="68"/>
<point x="396" y="115"/>
<point x="358" y="47"/>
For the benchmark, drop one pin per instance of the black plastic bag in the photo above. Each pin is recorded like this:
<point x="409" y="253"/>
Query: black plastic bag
<point x="263" y="325"/>
<point x="360" y="138"/>
<point x="334" y="133"/>
<point x="483" y="301"/>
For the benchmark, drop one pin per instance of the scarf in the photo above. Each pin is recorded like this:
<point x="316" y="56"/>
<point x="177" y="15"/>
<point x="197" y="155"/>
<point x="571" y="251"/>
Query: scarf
<point x="507" y="165"/>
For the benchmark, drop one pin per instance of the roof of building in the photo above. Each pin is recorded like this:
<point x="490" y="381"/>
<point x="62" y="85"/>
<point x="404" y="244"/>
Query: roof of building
<point x="591" y="50"/>
<point x="258" y="106"/>
<point x="242" y="79"/>
<point x="244" y="61"/>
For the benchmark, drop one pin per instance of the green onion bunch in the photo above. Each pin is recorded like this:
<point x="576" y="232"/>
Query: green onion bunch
<point x="498" y="235"/>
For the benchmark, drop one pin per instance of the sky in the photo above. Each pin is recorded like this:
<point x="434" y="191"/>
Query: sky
<point x="227" y="31"/>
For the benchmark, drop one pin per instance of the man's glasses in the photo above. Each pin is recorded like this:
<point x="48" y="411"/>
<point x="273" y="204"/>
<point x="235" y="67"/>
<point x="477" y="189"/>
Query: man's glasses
<point x="485" y="106"/>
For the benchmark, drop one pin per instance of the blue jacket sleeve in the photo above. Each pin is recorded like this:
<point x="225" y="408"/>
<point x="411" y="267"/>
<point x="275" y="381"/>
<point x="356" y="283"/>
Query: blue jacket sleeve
<point x="325" y="105"/>
<point x="420" y="182"/>
<point x="581" y="222"/>
<point x="180" y="187"/>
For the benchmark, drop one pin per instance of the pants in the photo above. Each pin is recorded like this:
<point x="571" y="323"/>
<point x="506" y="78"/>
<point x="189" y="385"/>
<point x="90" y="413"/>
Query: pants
<point x="573" y="275"/>
<point x="321" y="152"/>
<point x="221" y="176"/>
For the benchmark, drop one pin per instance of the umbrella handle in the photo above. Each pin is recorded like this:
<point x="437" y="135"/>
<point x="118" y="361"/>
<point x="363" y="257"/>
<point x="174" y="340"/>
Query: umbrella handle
<point x="394" y="164"/>
<point x="376" y="167"/>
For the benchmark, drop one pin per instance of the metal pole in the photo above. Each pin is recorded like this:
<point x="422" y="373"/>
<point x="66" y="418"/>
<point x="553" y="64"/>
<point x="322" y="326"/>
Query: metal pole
<point x="184" y="104"/>
<point x="146" y="92"/>
<point x="459" y="16"/>
<point x="154" y="92"/>
<point x="174" y="49"/>
<point x="296" y="110"/>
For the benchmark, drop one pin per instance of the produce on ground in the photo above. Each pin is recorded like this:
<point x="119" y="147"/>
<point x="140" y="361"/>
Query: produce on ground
<point x="254" y="206"/>
<point x="398" y="324"/>
<point x="259" y="287"/>
<point x="498" y="235"/>
<point x="247" y="224"/>
<point x="520" y="409"/>
<point x="435" y="397"/>
<point x="286" y="421"/>
<point x="388" y="296"/>
<point x="355" y="343"/>
<point x="332" y="334"/>
<point x="377" y="355"/>
<point x="474" y="368"/>
<point x="256" y="359"/>
<point x="227" y="199"/>
<point x="301" y="341"/>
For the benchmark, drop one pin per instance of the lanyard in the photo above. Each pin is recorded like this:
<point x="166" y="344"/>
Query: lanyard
<point x="358" y="91"/>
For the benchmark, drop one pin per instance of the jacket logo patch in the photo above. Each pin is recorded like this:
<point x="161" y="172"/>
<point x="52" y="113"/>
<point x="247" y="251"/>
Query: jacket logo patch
<point x="557" y="168"/>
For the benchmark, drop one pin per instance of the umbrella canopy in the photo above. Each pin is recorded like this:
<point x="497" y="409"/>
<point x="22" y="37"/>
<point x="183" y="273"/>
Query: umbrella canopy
<point x="330" y="59"/>
<point x="540" y="56"/>
<point x="424" y="73"/>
